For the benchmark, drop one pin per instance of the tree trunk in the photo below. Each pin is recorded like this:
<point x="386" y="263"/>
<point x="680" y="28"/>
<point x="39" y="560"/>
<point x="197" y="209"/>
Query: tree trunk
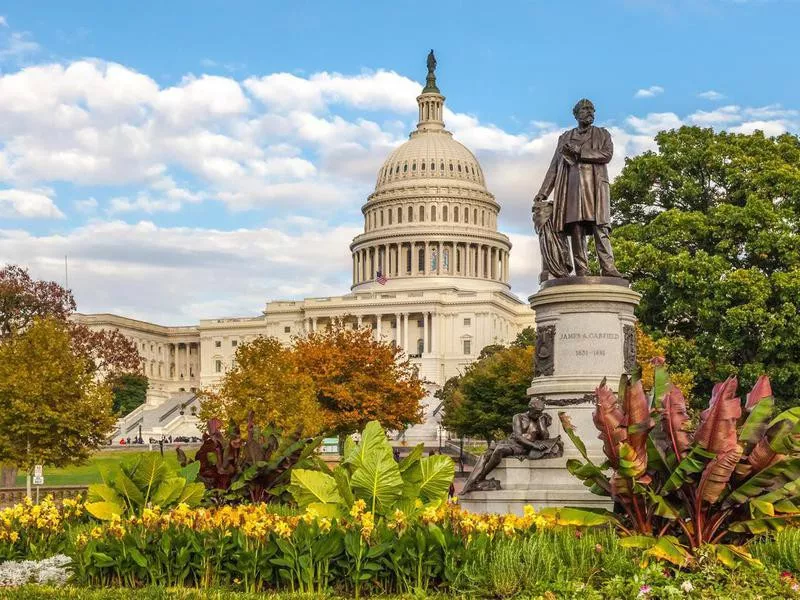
<point x="8" y="476"/>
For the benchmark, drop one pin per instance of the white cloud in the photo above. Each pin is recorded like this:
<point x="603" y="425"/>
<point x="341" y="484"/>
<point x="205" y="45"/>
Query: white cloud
<point x="3" y="22"/>
<point x="17" y="46"/>
<point x="87" y="205"/>
<point x="770" y="128"/>
<point x="143" y="270"/>
<point x="654" y="122"/>
<point x="720" y="116"/>
<point x="711" y="95"/>
<point x="28" y="204"/>
<point x="653" y="90"/>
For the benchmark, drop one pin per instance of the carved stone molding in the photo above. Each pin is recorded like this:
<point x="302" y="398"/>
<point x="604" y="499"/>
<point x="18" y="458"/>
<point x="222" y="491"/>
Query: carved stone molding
<point x="629" y="348"/>
<point x="585" y="399"/>
<point x="544" y="361"/>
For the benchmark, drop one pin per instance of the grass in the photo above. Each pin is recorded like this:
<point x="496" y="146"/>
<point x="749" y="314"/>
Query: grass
<point x="90" y="472"/>
<point x="32" y="592"/>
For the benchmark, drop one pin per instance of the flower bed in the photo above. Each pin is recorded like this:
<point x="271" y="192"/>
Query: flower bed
<point x="445" y="550"/>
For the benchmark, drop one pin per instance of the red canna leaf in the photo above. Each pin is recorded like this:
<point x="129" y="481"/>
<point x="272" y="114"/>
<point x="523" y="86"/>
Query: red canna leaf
<point x="718" y="473"/>
<point x="717" y="430"/>
<point x="638" y="422"/>
<point x="762" y="389"/>
<point x="609" y="420"/>
<point x="675" y="421"/>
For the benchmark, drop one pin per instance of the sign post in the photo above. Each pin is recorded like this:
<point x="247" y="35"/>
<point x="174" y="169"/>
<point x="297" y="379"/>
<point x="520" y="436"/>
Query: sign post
<point x="38" y="479"/>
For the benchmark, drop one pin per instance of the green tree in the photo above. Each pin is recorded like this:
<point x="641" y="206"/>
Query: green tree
<point x="52" y="410"/>
<point x="489" y="394"/>
<point x="710" y="238"/>
<point x="130" y="391"/>
<point x="525" y="338"/>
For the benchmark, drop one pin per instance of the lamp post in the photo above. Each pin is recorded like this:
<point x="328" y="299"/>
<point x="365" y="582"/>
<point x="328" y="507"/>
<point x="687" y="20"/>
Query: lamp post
<point x="440" y="437"/>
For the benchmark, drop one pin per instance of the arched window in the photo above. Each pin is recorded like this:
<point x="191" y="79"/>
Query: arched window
<point x="421" y="213"/>
<point x="422" y="166"/>
<point x="459" y="168"/>
<point x="397" y="169"/>
<point x="413" y="166"/>
<point x="420" y="346"/>
<point x="410" y="214"/>
<point x="408" y="260"/>
<point x="434" y="260"/>
<point x="483" y="217"/>
<point x="451" y="167"/>
<point x="433" y="213"/>
<point x="390" y="215"/>
<point x="433" y="166"/>
<point x="441" y="166"/>
<point x="444" y="213"/>
<point x="475" y="216"/>
<point x="455" y="214"/>
<point x="381" y="218"/>
<point x="458" y="260"/>
<point x="421" y="261"/>
<point x="466" y="215"/>
<point x="446" y="259"/>
<point x="405" y="168"/>
<point x="399" y="215"/>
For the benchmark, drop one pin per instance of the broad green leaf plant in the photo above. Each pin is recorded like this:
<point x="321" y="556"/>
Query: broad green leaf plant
<point x="736" y="475"/>
<point x="370" y="473"/>
<point x="143" y="481"/>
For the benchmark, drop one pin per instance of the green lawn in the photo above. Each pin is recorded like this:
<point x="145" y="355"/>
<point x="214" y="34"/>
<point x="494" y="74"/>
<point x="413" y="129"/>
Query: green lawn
<point x="90" y="472"/>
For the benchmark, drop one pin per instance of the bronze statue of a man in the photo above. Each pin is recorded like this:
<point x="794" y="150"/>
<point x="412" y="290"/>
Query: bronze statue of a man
<point x="578" y="178"/>
<point x="529" y="439"/>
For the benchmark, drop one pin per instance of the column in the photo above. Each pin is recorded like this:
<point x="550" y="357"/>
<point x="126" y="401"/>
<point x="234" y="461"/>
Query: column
<point x="467" y="261"/>
<point x="378" y="326"/>
<point x="386" y="263"/>
<point x="397" y="330"/>
<point x="493" y="260"/>
<point x="359" y="321"/>
<point x="506" y="265"/>
<point x="405" y="332"/>
<point x="314" y="324"/>
<point x="434" y="341"/>
<point x="424" y="333"/>
<point x="363" y="265"/>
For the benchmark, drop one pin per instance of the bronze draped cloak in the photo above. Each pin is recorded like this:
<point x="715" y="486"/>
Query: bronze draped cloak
<point x="580" y="190"/>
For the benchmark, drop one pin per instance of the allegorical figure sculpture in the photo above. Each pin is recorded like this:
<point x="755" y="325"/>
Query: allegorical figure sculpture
<point x="529" y="439"/>
<point x="578" y="179"/>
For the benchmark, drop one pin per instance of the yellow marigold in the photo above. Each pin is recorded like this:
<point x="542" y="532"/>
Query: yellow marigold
<point x="13" y="536"/>
<point x="359" y="506"/>
<point x="283" y="530"/>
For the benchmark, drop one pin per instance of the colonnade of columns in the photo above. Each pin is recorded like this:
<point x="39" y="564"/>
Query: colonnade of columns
<point x="398" y="329"/>
<point x="466" y="259"/>
<point x="183" y="362"/>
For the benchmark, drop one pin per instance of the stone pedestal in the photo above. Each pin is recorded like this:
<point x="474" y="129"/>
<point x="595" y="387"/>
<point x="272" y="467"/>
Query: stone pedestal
<point x="585" y="332"/>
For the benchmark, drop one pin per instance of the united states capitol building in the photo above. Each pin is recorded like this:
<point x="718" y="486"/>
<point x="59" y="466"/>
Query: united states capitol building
<point x="430" y="273"/>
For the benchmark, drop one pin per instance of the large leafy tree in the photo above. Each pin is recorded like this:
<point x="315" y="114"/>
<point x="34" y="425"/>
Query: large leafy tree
<point x="130" y="392"/>
<point x="53" y="410"/>
<point x="710" y="238"/>
<point x="267" y="380"/>
<point x="358" y="379"/>
<point x="489" y="393"/>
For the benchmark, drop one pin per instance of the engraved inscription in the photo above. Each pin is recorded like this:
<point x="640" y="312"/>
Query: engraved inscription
<point x="629" y="348"/>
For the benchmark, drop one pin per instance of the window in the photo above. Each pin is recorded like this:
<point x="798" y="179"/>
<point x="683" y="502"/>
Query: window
<point x="234" y="343"/>
<point x="287" y="329"/>
<point x="455" y="214"/>
<point x="467" y="346"/>
<point x="434" y="260"/>
<point x="446" y="259"/>
<point x="433" y="213"/>
<point x="459" y="168"/>
<point x="433" y="166"/>
<point x="413" y="166"/>
<point x="422" y="166"/>
<point x="405" y="168"/>
<point x="218" y="366"/>
<point x="458" y="260"/>
<point x="467" y="322"/>
<point x="218" y="344"/>
<point x="420" y="346"/>
<point x="421" y="261"/>
<point x="421" y="213"/>
<point x="410" y="214"/>
<point x="444" y="213"/>
<point x="466" y="215"/>
<point x="399" y="215"/>
<point x="451" y="167"/>
<point x="381" y="218"/>
<point x="390" y="214"/>
<point x="408" y="260"/>
<point x="420" y="323"/>
<point x="475" y="216"/>
<point x="483" y="217"/>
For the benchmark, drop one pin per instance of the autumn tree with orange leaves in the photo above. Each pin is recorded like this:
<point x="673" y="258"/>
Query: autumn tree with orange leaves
<point x="358" y="379"/>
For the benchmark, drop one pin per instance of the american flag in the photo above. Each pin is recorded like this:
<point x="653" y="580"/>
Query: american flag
<point x="382" y="279"/>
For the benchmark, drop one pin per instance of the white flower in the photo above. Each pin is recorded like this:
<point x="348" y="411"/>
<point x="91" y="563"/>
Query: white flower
<point x="51" y="570"/>
<point x="687" y="586"/>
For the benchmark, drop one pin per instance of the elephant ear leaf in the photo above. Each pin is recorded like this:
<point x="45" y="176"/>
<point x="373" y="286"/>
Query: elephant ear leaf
<point x="437" y="475"/>
<point x="309" y="487"/>
<point x="128" y="490"/>
<point x="190" y="471"/>
<point x="377" y="479"/>
<point x="168" y="491"/>
<point x="104" y="511"/>
<point x="102" y="492"/>
<point x="373" y="439"/>
<point x="413" y="458"/>
<point x="191" y="494"/>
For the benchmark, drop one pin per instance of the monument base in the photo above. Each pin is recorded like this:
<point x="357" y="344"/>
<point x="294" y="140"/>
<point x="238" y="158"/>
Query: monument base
<point x="539" y="483"/>
<point x="585" y="333"/>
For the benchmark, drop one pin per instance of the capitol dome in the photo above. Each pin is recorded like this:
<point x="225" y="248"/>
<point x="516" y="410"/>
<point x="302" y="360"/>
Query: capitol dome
<point x="431" y="215"/>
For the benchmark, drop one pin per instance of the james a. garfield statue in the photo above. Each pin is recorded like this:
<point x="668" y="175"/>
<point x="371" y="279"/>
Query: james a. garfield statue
<point x="578" y="178"/>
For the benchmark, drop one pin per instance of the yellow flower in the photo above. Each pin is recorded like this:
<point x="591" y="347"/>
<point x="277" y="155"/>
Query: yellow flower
<point x="13" y="536"/>
<point x="359" y="506"/>
<point x="324" y="524"/>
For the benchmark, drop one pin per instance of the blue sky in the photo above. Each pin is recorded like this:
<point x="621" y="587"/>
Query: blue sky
<point x="195" y="159"/>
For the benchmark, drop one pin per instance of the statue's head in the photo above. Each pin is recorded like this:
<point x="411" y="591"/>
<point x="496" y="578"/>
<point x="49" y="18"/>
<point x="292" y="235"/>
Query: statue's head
<point x="536" y="405"/>
<point x="583" y="112"/>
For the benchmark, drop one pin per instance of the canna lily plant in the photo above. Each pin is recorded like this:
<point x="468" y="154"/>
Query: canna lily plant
<point x="736" y="475"/>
